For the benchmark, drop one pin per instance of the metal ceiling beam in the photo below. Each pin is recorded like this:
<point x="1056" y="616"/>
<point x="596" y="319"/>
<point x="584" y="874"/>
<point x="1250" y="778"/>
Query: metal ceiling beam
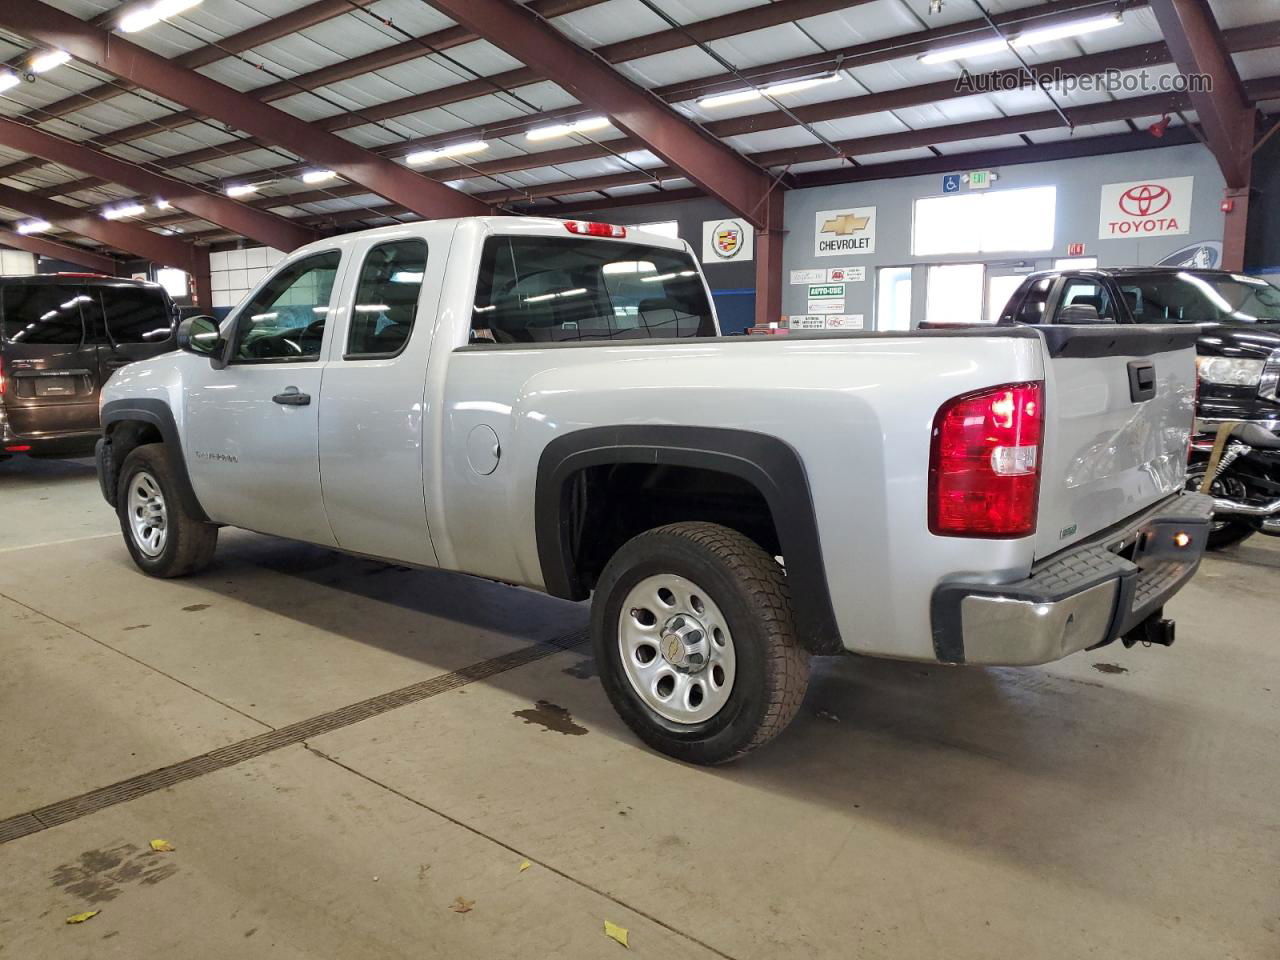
<point x="1239" y="40"/>
<point x="713" y="28"/>
<point x="47" y="25"/>
<point x="116" y="233"/>
<point x="1226" y="115"/>
<point x="1263" y="88"/>
<point x="266" y="228"/>
<point x="343" y="70"/>
<point x="45" y="247"/>
<point x="272" y="29"/>
<point x="719" y="170"/>
<point x="113" y="233"/>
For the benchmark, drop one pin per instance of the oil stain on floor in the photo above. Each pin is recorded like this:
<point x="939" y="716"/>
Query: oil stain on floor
<point x="1110" y="668"/>
<point x="551" y="716"/>
<point x="97" y="875"/>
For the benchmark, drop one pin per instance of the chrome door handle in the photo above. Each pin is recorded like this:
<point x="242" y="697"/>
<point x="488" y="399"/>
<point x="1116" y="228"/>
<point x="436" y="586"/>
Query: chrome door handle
<point x="292" y="397"/>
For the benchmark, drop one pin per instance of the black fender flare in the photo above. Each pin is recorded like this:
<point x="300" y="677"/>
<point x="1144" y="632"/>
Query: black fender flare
<point x="770" y="465"/>
<point x="157" y="413"/>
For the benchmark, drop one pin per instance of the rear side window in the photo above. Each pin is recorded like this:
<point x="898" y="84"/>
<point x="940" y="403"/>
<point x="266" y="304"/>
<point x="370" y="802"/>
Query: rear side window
<point x="1032" y="308"/>
<point x="386" y="302"/>
<point x="134" y="314"/>
<point x="43" y="313"/>
<point x="1082" y="292"/>
<point x="549" y="290"/>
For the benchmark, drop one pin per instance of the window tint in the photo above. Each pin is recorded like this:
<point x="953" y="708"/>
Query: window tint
<point x="285" y="321"/>
<point x="43" y="313"/>
<point x="387" y="298"/>
<point x="133" y="314"/>
<point x="1081" y="292"/>
<point x="545" y="289"/>
<point x="1032" y="308"/>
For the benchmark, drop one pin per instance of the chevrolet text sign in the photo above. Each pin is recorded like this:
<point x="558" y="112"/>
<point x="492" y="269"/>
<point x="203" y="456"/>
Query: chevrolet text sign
<point x="840" y="233"/>
<point x="1146" y="208"/>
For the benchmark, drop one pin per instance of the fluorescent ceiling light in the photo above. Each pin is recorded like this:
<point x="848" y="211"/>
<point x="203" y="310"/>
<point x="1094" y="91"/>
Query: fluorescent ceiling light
<point x="457" y="150"/>
<point x="975" y="49"/>
<point x="127" y="210"/>
<point x="407" y="276"/>
<point x="565" y="129"/>
<point x="42" y="63"/>
<point x="8" y="80"/>
<point x="371" y="308"/>
<point x="163" y="205"/>
<point x="318" y="176"/>
<point x="242" y="189"/>
<point x="629" y="266"/>
<point x="772" y="90"/>
<point x="34" y="226"/>
<point x="143" y="17"/>
<point x="1064" y="30"/>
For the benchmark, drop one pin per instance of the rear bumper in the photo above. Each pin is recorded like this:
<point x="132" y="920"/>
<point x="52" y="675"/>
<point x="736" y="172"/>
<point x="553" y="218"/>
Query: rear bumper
<point x="1092" y="594"/>
<point x="70" y="444"/>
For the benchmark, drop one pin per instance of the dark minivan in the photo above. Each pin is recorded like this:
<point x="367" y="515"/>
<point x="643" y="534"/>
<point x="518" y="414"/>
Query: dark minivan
<point x="61" y="336"/>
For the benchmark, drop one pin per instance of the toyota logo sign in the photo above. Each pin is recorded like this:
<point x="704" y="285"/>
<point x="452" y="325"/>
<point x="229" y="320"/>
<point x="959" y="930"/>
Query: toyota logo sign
<point x="1146" y="200"/>
<point x="1146" y="208"/>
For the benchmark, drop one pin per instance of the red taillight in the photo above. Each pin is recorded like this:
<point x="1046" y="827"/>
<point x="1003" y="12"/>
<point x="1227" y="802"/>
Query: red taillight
<point x="1" y="376"/>
<point x="18" y="448"/>
<point x="984" y="466"/>
<point x="588" y="228"/>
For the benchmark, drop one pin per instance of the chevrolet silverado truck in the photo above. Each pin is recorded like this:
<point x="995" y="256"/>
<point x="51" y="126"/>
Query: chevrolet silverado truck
<point x="549" y="403"/>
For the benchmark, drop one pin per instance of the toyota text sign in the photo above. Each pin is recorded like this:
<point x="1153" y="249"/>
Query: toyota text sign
<point x="1146" y="208"/>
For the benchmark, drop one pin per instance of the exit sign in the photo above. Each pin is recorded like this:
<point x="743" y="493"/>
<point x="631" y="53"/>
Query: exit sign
<point x="979" y="179"/>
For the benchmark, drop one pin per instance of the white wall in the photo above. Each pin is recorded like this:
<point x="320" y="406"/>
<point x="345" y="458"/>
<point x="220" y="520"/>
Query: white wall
<point x="1079" y="184"/>
<point x="236" y="272"/>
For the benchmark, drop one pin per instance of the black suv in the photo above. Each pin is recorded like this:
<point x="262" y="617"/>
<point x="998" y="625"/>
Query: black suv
<point x="61" y="336"/>
<point x="1239" y="357"/>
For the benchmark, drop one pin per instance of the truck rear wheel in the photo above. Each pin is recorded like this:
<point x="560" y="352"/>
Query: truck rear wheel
<point x="163" y="538"/>
<point x="695" y="642"/>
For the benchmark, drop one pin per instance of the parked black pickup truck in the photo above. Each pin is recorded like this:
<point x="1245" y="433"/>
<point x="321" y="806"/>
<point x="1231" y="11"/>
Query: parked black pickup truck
<point x="61" y="336"/>
<point x="1239" y="357"/>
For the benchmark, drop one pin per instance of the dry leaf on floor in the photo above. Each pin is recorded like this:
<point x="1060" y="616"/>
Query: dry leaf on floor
<point x="462" y="905"/>
<point x="162" y="846"/>
<point x="82" y="917"/>
<point x="615" y="932"/>
<point x="525" y="865"/>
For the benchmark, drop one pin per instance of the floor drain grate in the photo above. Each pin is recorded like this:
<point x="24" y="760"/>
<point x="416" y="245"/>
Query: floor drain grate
<point x="74" y="808"/>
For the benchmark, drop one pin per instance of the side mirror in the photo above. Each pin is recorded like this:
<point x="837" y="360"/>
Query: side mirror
<point x="1079" y="313"/>
<point x="199" y="335"/>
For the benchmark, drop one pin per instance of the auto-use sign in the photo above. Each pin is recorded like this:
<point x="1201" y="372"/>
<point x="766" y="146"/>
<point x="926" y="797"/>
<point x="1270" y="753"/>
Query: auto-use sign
<point x="1146" y="208"/>
<point x="841" y="233"/>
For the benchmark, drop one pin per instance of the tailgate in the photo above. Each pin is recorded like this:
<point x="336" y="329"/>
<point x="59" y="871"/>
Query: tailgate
<point x="1120" y="403"/>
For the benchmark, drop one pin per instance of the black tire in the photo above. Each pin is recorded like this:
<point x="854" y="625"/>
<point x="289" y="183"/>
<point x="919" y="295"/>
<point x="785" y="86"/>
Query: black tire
<point x="1222" y="533"/>
<point x="750" y="590"/>
<point x="189" y="543"/>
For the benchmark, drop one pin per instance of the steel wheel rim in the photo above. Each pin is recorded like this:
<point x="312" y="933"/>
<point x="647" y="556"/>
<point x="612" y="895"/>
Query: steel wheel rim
<point x="676" y="649"/>
<point x="148" y="516"/>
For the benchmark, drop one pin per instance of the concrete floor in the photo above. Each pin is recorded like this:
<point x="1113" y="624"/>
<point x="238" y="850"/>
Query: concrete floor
<point x="1120" y="804"/>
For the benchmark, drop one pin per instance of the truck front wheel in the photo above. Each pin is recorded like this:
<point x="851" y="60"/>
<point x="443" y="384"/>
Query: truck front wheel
<point x="696" y="646"/>
<point x="163" y="538"/>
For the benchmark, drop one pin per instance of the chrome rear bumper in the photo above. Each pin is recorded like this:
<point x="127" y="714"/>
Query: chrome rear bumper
<point x="1092" y="594"/>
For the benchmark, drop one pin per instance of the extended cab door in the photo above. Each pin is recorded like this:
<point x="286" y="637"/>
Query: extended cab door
<point x="251" y="428"/>
<point x="371" y="409"/>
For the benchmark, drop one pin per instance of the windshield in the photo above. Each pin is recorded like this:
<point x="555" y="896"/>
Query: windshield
<point x="1186" y="297"/>
<point x="548" y="290"/>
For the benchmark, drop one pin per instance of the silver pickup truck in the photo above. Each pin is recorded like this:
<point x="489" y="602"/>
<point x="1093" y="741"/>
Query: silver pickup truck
<point x="549" y="403"/>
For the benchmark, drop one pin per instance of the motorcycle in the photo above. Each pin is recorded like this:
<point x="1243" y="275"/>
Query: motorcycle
<point x="1239" y="466"/>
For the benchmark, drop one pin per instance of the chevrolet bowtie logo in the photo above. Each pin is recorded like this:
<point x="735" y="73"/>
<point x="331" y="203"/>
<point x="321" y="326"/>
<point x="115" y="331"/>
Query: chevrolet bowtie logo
<point x="845" y="224"/>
